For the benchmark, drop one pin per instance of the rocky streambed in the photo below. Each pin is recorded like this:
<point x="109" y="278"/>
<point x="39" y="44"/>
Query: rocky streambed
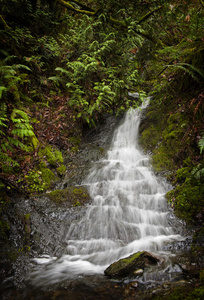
<point x="37" y="227"/>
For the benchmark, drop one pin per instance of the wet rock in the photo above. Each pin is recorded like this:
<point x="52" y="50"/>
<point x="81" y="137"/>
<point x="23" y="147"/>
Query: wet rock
<point x="74" y="196"/>
<point x="133" y="96"/>
<point x="139" y="272"/>
<point x="128" y="266"/>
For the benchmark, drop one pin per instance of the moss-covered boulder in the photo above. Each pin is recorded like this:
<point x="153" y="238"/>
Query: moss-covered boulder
<point x="71" y="196"/>
<point x="130" y="265"/>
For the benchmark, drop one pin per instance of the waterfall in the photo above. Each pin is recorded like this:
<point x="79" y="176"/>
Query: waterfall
<point x="128" y="212"/>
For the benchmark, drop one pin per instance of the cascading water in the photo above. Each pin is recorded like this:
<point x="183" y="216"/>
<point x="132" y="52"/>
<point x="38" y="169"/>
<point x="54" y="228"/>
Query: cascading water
<point x="128" y="213"/>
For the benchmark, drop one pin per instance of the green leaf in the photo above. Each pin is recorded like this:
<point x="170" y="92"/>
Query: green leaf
<point x="2" y="89"/>
<point x="201" y="144"/>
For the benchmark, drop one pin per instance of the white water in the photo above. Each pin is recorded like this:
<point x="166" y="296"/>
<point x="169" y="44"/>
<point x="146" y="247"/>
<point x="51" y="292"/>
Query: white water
<point x="128" y="213"/>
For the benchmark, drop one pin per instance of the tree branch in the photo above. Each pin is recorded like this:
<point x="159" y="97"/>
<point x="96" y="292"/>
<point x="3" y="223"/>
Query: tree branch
<point x="4" y="22"/>
<point x="91" y="12"/>
<point x="82" y="5"/>
<point x="71" y="7"/>
<point x="145" y="17"/>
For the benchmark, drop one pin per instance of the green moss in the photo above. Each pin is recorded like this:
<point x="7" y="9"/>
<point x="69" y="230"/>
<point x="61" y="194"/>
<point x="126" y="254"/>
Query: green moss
<point x="74" y="196"/>
<point x="166" y="132"/>
<point x="77" y="203"/>
<point x="53" y="156"/>
<point x="126" y="261"/>
<point x="182" y="174"/>
<point x="48" y="177"/>
<point x="125" y="265"/>
<point x="160" y="159"/>
<point x="27" y="217"/>
<point x="61" y="170"/>
<point x="34" y="141"/>
<point x="187" y="198"/>
<point x="150" y="138"/>
<point x="185" y="292"/>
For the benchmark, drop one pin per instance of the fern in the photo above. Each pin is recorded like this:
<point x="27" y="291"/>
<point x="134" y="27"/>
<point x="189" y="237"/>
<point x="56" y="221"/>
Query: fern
<point x="3" y="117"/>
<point x="201" y="144"/>
<point x="94" y="46"/>
<point x="22" y="128"/>
<point x="191" y="71"/>
<point x="198" y="172"/>
<point x="11" y="79"/>
<point x="63" y="71"/>
<point x="7" y="163"/>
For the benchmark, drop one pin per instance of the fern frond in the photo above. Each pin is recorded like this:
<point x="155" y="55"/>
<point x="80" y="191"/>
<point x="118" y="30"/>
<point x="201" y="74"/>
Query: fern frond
<point x="21" y="66"/>
<point x="94" y="46"/>
<point x="6" y="161"/>
<point x="16" y="112"/>
<point x="2" y="89"/>
<point x="191" y="71"/>
<point x="201" y="144"/>
<point x="16" y="143"/>
<point x="62" y="70"/>
<point x="56" y="79"/>
<point x="3" y="117"/>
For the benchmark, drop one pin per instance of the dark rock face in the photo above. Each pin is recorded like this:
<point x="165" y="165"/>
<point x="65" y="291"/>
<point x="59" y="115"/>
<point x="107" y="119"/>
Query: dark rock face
<point x="133" y="263"/>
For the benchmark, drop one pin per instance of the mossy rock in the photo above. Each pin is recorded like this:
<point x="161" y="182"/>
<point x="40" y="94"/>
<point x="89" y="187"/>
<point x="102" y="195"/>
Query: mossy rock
<point x="127" y="266"/>
<point x="61" y="170"/>
<point x="48" y="177"/>
<point x="53" y="156"/>
<point x="71" y="196"/>
<point x="187" y="199"/>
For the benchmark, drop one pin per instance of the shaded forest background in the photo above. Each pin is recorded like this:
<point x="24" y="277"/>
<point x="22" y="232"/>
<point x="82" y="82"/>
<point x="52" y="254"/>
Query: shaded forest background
<point x="65" y="65"/>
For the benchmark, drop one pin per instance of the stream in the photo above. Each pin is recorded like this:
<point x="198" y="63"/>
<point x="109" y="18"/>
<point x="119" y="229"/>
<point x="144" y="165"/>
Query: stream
<point x="128" y="213"/>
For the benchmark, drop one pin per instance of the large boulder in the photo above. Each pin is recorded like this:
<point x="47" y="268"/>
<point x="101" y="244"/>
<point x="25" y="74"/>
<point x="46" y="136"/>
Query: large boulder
<point x="132" y="264"/>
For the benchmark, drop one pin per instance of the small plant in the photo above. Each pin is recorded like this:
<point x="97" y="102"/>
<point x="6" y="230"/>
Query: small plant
<point x="201" y="144"/>
<point x="33" y="182"/>
<point x="77" y="203"/>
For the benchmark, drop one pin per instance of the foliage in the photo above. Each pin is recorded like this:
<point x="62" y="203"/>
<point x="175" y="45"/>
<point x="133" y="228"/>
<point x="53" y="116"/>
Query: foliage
<point x="33" y="182"/>
<point x="18" y="131"/>
<point x="201" y="144"/>
<point x="67" y="63"/>
<point x="11" y="79"/>
<point x="53" y="156"/>
<point x="99" y="75"/>
<point x="61" y="170"/>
